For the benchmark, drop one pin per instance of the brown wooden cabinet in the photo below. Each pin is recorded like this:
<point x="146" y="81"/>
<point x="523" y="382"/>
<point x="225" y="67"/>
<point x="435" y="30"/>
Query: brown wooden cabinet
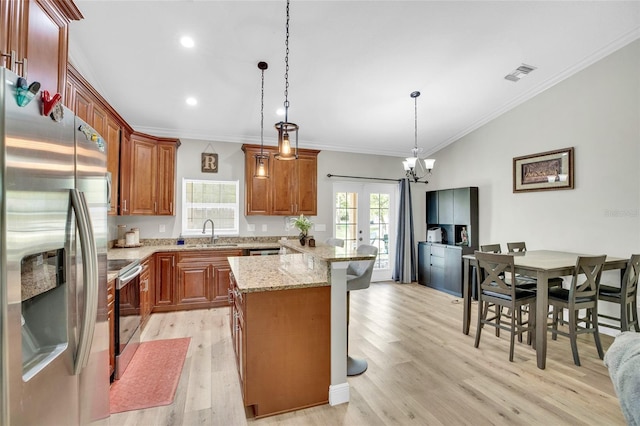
<point x="221" y="276"/>
<point x="112" y="135"/>
<point x="142" y="167"/>
<point x="236" y="321"/>
<point x="199" y="280"/>
<point x="89" y="106"/>
<point x="150" y="175"/>
<point x="291" y="188"/>
<point x="147" y="289"/>
<point x="165" y="278"/>
<point x="111" y="318"/>
<point x="194" y="283"/>
<point x="167" y="177"/>
<point x="34" y="40"/>
<point x="282" y="335"/>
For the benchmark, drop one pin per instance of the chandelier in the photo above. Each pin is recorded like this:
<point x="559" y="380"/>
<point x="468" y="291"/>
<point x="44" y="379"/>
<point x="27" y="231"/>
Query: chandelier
<point x="262" y="159"/>
<point x="285" y="128"/>
<point x="415" y="167"/>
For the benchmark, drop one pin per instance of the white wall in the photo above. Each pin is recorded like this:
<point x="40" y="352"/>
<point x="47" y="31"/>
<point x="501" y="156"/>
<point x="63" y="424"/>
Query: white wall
<point x="597" y="111"/>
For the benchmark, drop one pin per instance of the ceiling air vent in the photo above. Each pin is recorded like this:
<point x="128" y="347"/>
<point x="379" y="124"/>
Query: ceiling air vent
<point x="519" y="72"/>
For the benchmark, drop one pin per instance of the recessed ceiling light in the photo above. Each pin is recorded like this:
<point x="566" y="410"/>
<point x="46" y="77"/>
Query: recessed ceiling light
<point x="280" y="111"/>
<point x="519" y="72"/>
<point x="192" y="101"/>
<point x="187" y="42"/>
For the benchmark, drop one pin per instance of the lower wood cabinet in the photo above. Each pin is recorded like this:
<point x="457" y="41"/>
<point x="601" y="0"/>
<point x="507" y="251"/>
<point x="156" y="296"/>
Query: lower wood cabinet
<point x="147" y="289"/>
<point x="192" y="279"/>
<point x="165" y="285"/>
<point x="111" y="320"/>
<point x="282" y="341"/>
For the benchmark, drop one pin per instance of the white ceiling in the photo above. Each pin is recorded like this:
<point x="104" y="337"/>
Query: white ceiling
<point x="353" y="64"/>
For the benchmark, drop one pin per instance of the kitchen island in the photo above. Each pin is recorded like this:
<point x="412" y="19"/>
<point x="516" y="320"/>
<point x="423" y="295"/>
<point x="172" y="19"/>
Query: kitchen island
<point x="280" y="328"/>
<point x="299" y="301"/>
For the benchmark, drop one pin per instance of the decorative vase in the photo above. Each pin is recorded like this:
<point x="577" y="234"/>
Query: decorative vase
<point x="303" y="239"/>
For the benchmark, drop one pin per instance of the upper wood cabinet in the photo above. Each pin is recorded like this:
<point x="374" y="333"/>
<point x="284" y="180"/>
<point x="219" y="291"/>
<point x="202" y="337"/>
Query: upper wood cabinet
<point x="150" y="175"/>
<point x="89" y="106"/>
<point x="34" y="40"/>
<point x="291" y="188"/>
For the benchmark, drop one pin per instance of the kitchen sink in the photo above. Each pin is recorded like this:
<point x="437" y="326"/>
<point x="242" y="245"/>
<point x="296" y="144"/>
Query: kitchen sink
<point x="216" y="245"/>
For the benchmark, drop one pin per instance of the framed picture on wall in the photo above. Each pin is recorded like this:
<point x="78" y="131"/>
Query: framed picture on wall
<point x="544" y="171"/>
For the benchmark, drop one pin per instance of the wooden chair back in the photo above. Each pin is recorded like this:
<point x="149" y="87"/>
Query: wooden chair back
<point x="516" y="247"/>
<point x="491" y="248"/>
<point x="586" y="279"/>
<point x="630" y="278"/>
<point x="495" y="272"/>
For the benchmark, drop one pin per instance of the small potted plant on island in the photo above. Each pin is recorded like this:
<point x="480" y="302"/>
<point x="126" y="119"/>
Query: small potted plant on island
<point x="303" y="224"/>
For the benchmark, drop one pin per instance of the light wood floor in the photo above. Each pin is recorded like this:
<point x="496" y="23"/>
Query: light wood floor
<point x="422" y="371"/>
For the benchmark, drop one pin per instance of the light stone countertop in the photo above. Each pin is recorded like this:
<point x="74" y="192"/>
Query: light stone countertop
<point x="141" y="253"/>
<point x="326" y="252"/>
<point x="303" y="266"/>
<point x="270" y="273"/>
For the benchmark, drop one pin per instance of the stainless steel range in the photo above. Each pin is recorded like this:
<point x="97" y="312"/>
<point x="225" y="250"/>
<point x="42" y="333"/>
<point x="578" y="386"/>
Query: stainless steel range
<point x="127" y="311"/>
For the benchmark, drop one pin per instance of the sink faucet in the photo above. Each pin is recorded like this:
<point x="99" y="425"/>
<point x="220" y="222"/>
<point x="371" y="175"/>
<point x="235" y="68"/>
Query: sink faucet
<point x="213" y="230"/>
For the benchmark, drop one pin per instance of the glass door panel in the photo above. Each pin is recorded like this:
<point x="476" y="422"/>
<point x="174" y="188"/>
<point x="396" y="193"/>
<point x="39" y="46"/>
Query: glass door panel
<point x="365" y="214"/>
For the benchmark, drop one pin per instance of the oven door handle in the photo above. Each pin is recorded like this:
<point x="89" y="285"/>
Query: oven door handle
<point x="124" y="280"/>
<point x="89" y="276"/>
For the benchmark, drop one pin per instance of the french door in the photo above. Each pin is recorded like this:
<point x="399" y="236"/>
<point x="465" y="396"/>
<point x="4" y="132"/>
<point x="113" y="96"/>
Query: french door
<point x="366" y="214"/>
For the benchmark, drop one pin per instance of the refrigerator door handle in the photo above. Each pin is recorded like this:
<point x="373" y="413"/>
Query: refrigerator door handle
<point x="90" y="278"/>
<point x="109" y="190"/>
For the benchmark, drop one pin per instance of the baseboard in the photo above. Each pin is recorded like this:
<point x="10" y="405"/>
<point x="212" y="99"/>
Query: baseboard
<point x="339" y="394"/>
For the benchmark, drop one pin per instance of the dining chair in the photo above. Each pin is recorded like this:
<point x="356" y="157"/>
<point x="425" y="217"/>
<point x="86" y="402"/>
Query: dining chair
<point x="581" y="294"/>
<point x="498" y="285"/>
<point x="624" y="296"/>
<point x="488" y="248"/>
<point x="491" y="248"/>
<point x="523" y="282"/>
<point x="516" y="247"/>
<point x="358" y="278"/>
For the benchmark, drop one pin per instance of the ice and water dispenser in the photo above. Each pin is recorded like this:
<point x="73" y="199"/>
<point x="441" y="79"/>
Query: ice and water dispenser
<point x="44" y="309"/>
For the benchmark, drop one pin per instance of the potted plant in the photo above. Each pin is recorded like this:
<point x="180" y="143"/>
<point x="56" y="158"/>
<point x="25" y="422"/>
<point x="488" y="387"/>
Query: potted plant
<point x="303" y="224"/>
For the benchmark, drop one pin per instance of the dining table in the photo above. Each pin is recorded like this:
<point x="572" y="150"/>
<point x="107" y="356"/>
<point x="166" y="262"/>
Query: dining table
<point x="541" y="265"/>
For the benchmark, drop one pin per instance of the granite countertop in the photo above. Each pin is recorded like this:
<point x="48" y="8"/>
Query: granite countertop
<point x="326" y="252"/>
<point x="143" y="252"/>
<point x="283" y="272"/>
<point x="306" y="267"/>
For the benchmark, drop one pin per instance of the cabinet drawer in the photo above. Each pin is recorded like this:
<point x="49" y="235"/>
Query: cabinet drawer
<point x="206" y="255"/>
<point x="437" y="262"/>
<point x="437" y="251"/>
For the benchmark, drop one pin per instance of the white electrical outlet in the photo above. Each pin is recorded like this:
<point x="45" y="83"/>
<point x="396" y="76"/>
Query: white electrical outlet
<point x="162" y="229"/>
<point x="264" y="228"/>
<point x="251" y="227"/>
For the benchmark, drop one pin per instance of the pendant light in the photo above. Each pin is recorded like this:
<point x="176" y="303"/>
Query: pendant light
<point x="286" y="130"/>
<point x="413" y="167"/>
<point x="262" y="159"/>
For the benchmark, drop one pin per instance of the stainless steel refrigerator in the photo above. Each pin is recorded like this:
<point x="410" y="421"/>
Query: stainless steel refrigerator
<point x="53" y="233"/>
